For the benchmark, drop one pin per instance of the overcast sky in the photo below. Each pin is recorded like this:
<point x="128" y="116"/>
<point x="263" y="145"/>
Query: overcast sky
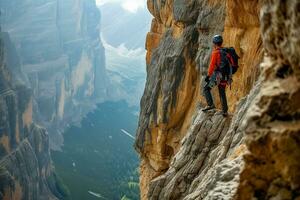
<point x="129" y="5"/>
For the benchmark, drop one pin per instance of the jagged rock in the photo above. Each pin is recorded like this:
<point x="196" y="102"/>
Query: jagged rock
<point x="178" y="51"/>
<point x="25" y="164"/>
<point x="272" y="128"/>
<point x="208" y="164"/>
<point x="258" y="156"/>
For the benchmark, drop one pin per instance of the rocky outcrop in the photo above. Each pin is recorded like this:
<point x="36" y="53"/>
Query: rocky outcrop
<point x="25" y="165"/>
<point x="208" y="163"/>
<point x="187" y="154"/>
<point x="61" y="54"/>
<point x="272" y="127"/>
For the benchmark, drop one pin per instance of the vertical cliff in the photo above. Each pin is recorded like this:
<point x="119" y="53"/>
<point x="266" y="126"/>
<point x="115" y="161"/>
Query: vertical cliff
<point x="272" y="127"/>
<point x="61" y="54"/>
<point x="188" y="154"/>
<point x="25" y="165"/>
<point x="52" y="72"/>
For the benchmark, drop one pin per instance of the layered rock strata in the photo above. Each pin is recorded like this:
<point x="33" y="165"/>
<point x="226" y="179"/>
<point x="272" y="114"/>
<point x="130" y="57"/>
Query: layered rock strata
<point x="220" y="158"/>
<point x="25" y="164"/>
<point x="61" y="54"/>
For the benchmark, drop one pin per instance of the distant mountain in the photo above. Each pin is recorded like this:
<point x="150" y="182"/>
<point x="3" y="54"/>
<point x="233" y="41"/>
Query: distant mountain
<point x="52" y="71"/>
<point x="119" y="26"/>
<point x="62" y="55"/>
<point x="123" y="36"/>
<point x="126" y="70"/>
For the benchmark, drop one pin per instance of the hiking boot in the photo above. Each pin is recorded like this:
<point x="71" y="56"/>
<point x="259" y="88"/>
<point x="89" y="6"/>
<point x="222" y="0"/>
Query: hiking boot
<point x="225" y="114"/>
<point x="207" y="108"/>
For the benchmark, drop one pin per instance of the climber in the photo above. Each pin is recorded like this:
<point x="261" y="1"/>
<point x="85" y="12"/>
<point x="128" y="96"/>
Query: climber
<point x="215" y="77"/>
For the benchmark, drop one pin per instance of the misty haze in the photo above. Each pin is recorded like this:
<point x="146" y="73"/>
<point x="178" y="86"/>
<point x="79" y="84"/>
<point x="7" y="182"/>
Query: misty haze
<point x="82" y="63"/>
<point x="149" y="100"/>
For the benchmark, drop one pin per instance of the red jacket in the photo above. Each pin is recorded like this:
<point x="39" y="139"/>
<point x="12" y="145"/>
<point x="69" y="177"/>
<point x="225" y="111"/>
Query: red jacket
<point x="215" y="61"/>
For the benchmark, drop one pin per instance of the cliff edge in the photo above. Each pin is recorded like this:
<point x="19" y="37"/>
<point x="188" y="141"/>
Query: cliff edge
<point x="254" y="153"/>
<point x="26" y="171"/>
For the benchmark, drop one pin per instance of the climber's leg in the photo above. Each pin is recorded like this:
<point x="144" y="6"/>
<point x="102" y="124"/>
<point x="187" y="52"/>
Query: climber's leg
<point x="208" y="97"/>
<point x="223" y="99"/>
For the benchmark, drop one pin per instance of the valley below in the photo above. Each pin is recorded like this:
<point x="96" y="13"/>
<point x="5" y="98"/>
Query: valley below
<point x="103" y="99"/>
<point x="97" y="160"/>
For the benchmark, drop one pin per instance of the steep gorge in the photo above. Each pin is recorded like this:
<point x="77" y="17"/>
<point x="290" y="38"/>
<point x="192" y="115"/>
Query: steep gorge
<point x="188" y="154"/>
<point x="62" y="57"/>
<point x="52" y="72"/>
<point x="26" y="171"/>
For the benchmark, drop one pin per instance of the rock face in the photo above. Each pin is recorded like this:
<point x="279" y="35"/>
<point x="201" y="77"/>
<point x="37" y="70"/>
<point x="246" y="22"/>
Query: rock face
<point x="272" y="128"/>
<point x="61" y="54"/>
<point x="25" y="165"/>
<point x="188" y="154"/>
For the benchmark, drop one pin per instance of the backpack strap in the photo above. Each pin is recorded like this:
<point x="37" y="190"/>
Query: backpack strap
<point x="230" y="62"/>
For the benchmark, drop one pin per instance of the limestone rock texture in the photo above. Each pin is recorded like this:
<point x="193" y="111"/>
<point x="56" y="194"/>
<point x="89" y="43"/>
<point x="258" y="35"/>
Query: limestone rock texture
<point x="62" y="55"/>
<point x="25" y="164"/>
<point x="254" y="153"/>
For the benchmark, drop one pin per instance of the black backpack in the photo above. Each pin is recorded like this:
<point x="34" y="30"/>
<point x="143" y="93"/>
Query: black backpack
<point x="229" y="62"/>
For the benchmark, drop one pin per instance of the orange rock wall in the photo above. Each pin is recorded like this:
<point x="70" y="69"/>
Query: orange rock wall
<point x="238" y="21"/>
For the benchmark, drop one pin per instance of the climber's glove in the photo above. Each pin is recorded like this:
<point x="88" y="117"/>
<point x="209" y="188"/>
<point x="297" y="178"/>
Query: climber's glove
<point x="207" y="78"/>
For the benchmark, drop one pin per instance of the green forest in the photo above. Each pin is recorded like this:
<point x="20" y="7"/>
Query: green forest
<point x="98" y="160"/>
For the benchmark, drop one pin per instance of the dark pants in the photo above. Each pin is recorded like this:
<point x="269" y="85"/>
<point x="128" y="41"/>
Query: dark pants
<point x="222" y="93"/>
